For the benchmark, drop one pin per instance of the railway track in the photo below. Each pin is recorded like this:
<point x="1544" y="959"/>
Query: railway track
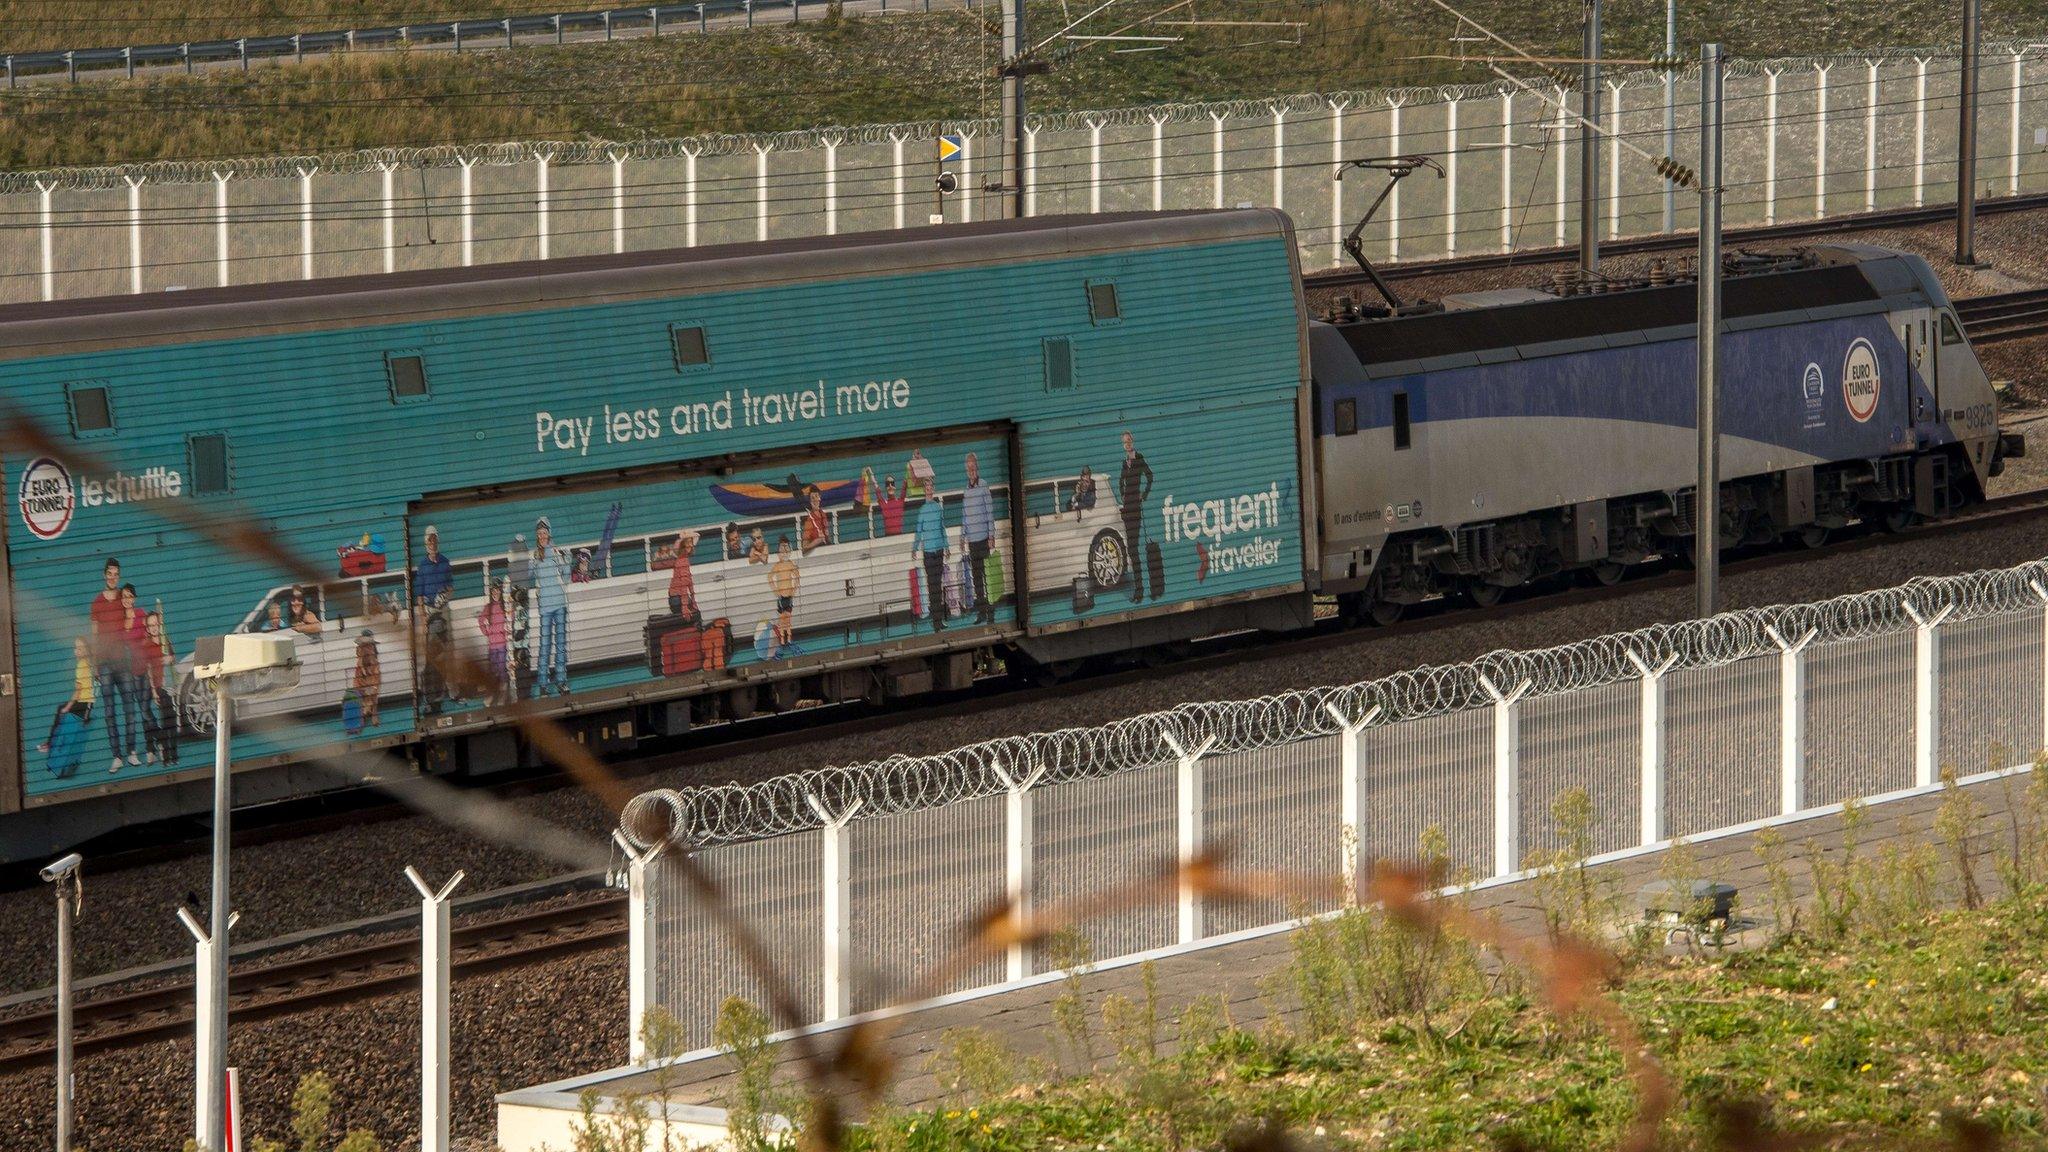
<point x="284" y="987"/>
<point x="2006" y="316"/>
<point x="1828" y="226"/>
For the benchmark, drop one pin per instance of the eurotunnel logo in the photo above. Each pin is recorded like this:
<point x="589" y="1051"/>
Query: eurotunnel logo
<point x="47" y="498"/>
<point x="1813" y="389"/>
<point x="1860" y="381"/>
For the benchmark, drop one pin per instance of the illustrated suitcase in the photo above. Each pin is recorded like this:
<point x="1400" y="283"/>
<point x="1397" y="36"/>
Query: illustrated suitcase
<point x="717" y="643"/>
<point x="992" y="575"/>
<point x="916" y="594"/>
<point x="666" y="655"/>
<point x="351" y="712"/>
<point x="359" y="561"/>
<point x="67" y="747"/>
<point x="1084" y="595"/>
<point x="1155" y="564"/>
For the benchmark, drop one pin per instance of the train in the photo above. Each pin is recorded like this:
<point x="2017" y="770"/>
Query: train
<point x="644" y="492"/>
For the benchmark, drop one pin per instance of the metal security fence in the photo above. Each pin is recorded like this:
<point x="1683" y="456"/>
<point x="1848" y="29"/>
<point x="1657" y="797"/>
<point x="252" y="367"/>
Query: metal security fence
<point x="1805" y="138"/>
<point x="861" y="876"/>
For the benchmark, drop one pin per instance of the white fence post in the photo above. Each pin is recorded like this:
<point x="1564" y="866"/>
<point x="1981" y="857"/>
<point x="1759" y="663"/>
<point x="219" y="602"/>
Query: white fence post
<point x="1791" y="718"/>
<point x="468" y="218"/>
<point x="541" y="203"/>
<point x="49" y="270"/>
<point x="1870" y="139"/>
<point x="1927" y="693"/>
<point x="389" y="225"/>
<point x="1351" y="796"/>
<point x="618" y="203"/>
<point x="1507" y="171"/>
<point x="689" y="198"/>
<point x="761" y="190"/>
<point x="1017" y="861"/>
<point x="1820" y="140"/>
<point x="1031" y="171"/>
<point x="220" y="224"/>
<point x="896" y="168"/>
<point x="1279" y="156"/>
<point x="966" y="175"/>
<point x="306" y="221"/>
<point x="1216" y="154"/>
<point x="1655" y="828"/>
<point x="1394" y="194"/>
<point x="835" y="891"/>
<point x="1188" y="791"/>
<point x="434" y="979"/>
<point x="1507" y="771"/>
<point x="204" y="957"/>
<point x="1338" y="225"/>
<point x="1771" y="146"/>
<point x="1562" y="134"/>
<point x="135" y="184"/>
<point x="1451" y="178"/>
<point x="1095" y="166"/>
<point x="1920" y="132"/>
<point x="640" y="937"/>
<point x="832" y="187"/>
<point x="1158" y="162"/>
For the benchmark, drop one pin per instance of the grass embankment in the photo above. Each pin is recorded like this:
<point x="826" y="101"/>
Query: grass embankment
<point x="1863" y="1016"/>
<point x="41" y="25"/>
<point x="826" y="71"/>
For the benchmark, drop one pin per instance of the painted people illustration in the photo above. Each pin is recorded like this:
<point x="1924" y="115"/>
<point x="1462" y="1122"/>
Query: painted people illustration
<point x="300" y="615"/>
<point x="434" y="581"/>
<point x="273" y="619"/>
<point x="551" y="598"/>
<point x="891" y="507"/>
<point x="367" y="678"/>
<point x="757" y="551"/>
<point x="931" y="549"/>
<point x="977" y="527"/>
<point x="161" y="733"/>
<point x="682" y="583"/>
<point x="735" y="544"/>
<point x="1133" y="488"/>
<point x="817" y="530"/>
<point x="783" y="580"/>
<point x="495" y="622"/>
<point x="1083" y="498"/>
<point x="78" y="704"/>
<point x="110" y="661"/>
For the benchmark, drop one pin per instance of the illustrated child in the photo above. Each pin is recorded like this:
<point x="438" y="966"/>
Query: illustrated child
<point x="783" y="581"/>
<point x="496" y="625"/>
<point x="80" y="702"/>
<point x="758" y="552"/>
<point x="275" y="621"/>
<point x="816" y="531"/>
<point x="735" y="544"/>
<point x="159" y="658"/>
<point x="368" y="677"/>
<point x="682" y="584"/>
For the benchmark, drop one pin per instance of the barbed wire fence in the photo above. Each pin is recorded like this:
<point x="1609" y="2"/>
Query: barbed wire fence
<point x="1676" y="730"/>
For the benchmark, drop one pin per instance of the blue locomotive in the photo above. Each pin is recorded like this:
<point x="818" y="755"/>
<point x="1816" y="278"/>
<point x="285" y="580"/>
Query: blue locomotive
<point x="647" y="491"/>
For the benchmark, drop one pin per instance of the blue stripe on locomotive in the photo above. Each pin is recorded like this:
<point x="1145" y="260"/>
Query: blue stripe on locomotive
<point x="1207" y="348"/>
<point x="1764" y="389"/>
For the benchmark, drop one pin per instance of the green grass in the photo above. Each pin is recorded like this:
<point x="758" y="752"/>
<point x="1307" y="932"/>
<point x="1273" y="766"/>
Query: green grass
<point x="822" y="72"/>
<point x="40" y="25"/>
<point x="1940" y="1019"/>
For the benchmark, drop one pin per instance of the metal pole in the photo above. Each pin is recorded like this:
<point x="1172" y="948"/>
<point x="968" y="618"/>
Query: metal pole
<point x="434" y="941"/>
<point x="67" y="897"/>
<point x="1966" y="145"/>
<point x="1707" y="497"/>
<point x="215" y="1059"/>
<point x="1013" y="109"/>
<point x="1589" y="143"/>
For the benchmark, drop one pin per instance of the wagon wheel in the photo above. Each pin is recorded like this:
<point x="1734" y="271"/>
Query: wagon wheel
<point x="1482" y="594"/>
<point x="1108" y="560"/>
<point x="1608" y="573"/>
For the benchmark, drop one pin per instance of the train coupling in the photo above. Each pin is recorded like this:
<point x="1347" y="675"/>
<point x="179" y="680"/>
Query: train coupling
<point x="2012" y="445"/>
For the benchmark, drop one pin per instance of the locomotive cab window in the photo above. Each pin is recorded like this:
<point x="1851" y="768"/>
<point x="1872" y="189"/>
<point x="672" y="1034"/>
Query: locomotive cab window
<point x="92" y="412"/>
<point x="692" y="349"/>
<point x="208" y="452"/>
<point x="1401" y="435"/>
<point x="407" y="375"/>
<point x="1103" y="307"/>
<point x="1950" y="334"/>
<point x="1346" y="422"/>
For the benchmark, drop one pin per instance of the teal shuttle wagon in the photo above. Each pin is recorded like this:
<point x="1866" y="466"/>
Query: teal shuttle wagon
<point x="634" y="492"/>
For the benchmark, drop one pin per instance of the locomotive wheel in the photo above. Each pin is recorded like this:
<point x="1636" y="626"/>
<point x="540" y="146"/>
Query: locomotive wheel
<point x="1900" y="517"/>
<point x="1482" y="594"/>
<point x="1813" y="536"/>
<point x="1608" y="573"/>
<point x="1108" y="560"/>
<point x="1385" y="613"/>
